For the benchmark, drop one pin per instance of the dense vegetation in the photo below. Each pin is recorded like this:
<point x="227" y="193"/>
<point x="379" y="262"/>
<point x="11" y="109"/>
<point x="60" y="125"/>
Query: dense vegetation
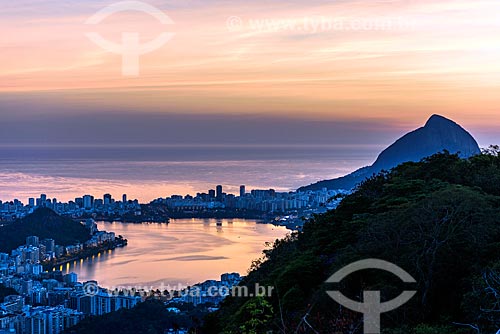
<point x="150" y="317"/>
<point x="439" y="219"/>
<point x="43" y="223"/>
<point x="4" y="292"/>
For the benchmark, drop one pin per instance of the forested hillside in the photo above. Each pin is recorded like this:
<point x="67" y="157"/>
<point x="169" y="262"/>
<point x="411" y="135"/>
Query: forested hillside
<point x="438" y="219"/>
<point x="43" y="223"/>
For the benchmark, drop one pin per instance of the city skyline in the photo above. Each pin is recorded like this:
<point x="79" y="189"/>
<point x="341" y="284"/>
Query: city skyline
<point x="123" y="197"/>
<point x="217" y="166"/>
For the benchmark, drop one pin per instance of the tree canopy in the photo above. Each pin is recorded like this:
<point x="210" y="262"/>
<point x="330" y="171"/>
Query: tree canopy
<point x="438" y="219"/>
<point x="45" y="224"/>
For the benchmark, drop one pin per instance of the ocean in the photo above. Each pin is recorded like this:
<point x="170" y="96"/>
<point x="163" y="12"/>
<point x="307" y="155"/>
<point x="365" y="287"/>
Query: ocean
<point x="149" y="172"/>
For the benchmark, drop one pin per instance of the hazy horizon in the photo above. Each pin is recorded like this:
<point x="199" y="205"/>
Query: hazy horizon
<point x="149" y="173"/>
<point x="243" y="81"/>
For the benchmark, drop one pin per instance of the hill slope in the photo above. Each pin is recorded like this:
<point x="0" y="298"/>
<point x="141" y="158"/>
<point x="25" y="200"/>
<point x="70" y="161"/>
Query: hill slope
<point x="43" y="223"/>
<point x="438" y="219"/>
<point x="438" y="134"/>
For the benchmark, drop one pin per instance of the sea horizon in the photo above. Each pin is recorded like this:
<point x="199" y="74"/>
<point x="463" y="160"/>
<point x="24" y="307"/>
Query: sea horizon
<point x="147" y="172"/>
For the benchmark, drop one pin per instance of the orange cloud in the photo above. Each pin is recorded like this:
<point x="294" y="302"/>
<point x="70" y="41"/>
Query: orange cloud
<point x="353" y="59"/>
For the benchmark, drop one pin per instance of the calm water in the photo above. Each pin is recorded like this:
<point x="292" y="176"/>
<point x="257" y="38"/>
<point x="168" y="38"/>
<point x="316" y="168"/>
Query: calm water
<point x="184" y="252"/>
<point x="147" y="173"/>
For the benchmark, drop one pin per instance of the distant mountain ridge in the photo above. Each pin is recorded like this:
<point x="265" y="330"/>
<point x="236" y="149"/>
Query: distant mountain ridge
<point x="438" y="134"/>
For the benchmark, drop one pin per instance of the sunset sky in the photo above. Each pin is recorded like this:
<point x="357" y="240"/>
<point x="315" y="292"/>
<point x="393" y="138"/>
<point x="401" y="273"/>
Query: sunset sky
<point x="345" y="71"/>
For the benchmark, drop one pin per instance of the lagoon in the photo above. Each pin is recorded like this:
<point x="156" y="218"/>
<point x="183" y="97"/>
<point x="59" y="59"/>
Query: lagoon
<point x="184" y="252"/>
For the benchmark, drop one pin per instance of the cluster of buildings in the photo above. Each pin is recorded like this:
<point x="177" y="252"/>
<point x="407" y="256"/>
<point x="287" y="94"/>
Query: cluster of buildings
<point x="79" y="207"/>
<point x="208" y="292"/>
<point x="28" y="258"/>
<point x="288" y="206"/>
<point x="97" y="238"/>
<point x="39" y="320"/>
<point x="50" y="302"/>
<point x="285" y="205"/>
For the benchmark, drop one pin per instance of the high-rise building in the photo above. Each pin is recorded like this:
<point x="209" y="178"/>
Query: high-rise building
<point x="79" y="202"/>
<point x="107" y="199"/>
<point x="43" y="200"/>
<point x="32" y="241"/>
<point x="211" y="193"/>
<point x="124" y="198"/>
<point x="14" y="303"/>
<point x="219" y="192"/>
<point x="263" y="194"/>
<point x="87" y="202"/>
<point x="71" y="278"/>
<point x="26" y="286"/>
<point x="50" y="245"/>
<point x="242" y="191"/>
<point x="31" y="201"/>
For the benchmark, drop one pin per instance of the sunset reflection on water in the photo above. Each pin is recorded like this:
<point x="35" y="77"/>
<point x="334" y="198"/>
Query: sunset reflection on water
<point x="186" y="251"/>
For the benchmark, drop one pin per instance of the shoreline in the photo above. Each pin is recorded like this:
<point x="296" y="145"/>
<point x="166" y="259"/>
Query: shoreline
<point x="120" y="243"/>
<point x="86" y="253"/>
<point x="272" y="235"/>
